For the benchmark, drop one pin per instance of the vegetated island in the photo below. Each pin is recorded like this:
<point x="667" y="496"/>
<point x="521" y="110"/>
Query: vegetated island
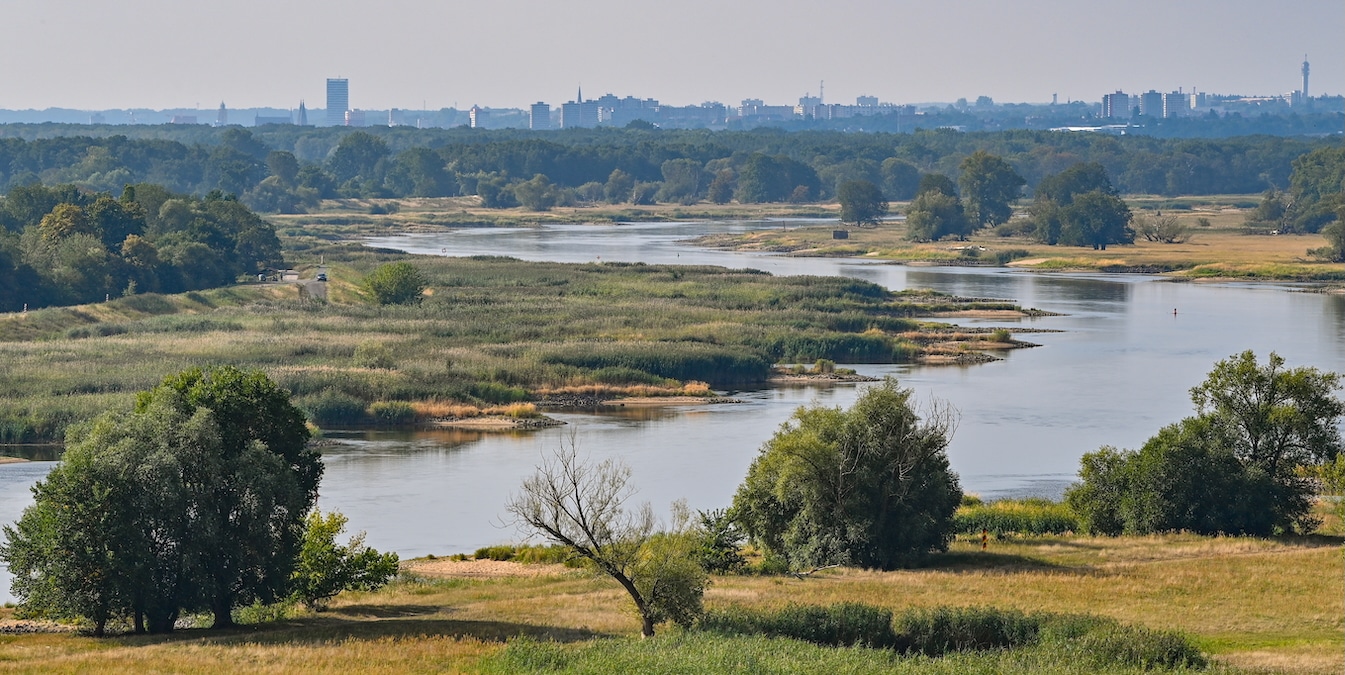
<point x="1218" y="238"/>
<point x="490" y="342"/>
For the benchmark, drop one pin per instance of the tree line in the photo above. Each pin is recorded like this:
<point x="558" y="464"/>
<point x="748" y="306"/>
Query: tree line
<point x="287" y="169"/>
<point x="63" y="245"/>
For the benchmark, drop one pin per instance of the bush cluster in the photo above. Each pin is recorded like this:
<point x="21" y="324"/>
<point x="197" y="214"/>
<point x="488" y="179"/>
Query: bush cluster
<point x="940" y="631"/>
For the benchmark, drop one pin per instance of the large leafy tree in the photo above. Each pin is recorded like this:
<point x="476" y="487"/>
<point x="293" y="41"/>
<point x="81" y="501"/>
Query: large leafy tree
<point x="869" y="486"/>
<point x="1233" y="467"/>
<point x="862" y="202"/>
<point x="194" y="501"/>
<point x="989" y="186"/>
<point x="1080" y="207"/>
<point x="934" y="215"/>
<point x="252" y="495"/>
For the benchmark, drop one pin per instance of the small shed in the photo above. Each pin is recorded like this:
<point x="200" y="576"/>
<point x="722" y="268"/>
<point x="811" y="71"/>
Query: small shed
<point x="840" y="234"/>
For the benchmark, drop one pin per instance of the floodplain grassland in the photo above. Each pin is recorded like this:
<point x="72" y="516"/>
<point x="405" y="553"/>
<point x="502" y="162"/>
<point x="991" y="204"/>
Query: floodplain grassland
<point x="491" y="334"/>
<point x="1253" y="605"/>
<point x="1222" y="250"/>
<point x="350" y="217"/>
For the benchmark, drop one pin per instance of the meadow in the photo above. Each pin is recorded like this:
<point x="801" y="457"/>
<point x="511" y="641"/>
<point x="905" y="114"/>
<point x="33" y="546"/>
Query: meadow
<point x="490" y="336"/>
<point x="1252" y="605"/>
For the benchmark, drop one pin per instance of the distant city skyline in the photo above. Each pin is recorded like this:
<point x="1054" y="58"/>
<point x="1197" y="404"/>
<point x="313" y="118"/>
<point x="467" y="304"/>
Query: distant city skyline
<point x="414" y="55"/>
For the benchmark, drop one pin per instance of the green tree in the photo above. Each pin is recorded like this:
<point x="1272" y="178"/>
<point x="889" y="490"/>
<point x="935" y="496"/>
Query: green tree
<point x="1234" y="467"/>
<point x="252" y="495"/>
<point x="869" y="486"/>
<point x="1079" y="207"/>
<point x="537" y="194"/>
<point x="398" y="283"/>
<point x="284" y="166"/>
<point x="862" y="203"/>
<point x="721" y="188"/>
<point x="989" y="187"/>
<point x="582" y="506"/>
<point x="620" y="186"/>
<point x="1274" y="417"/>
<point x="357" y="157"/>
<point x="900" y="179"/>
<point x="683" y="181"/>
<point x="936" y="182"/>
<point x="934" y="215"/>
<point x="324" y="568"/>
<point x="1096" y="218"/>
<point x="194" y="501"/>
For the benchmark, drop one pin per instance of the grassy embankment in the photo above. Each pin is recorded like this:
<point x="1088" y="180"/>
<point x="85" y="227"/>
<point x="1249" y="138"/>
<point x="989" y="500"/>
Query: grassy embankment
<point x="1259" y="605"/>
<point x="1224" y="249"/>
<point x="492" y="337"/>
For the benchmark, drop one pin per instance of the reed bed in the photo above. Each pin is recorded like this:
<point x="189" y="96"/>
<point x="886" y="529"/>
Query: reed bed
<point x="495" y="332"/>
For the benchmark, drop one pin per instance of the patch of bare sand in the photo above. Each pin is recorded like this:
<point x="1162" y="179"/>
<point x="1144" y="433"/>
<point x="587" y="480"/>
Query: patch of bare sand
<point x="484" y="569"/>
<point x="1026" y="262"/>
<point x="11" y="460"/>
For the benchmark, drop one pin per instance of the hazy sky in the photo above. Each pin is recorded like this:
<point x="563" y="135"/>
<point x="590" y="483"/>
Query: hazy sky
<point x="509" y="53"/>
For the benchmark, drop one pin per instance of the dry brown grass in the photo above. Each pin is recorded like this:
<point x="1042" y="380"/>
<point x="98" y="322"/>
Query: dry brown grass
<point x="1222" y="249"/>
<point x="1257" y="604"/>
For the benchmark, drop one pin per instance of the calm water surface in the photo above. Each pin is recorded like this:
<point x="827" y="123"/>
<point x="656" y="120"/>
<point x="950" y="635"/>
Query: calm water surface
<point x="1118" y="369"/>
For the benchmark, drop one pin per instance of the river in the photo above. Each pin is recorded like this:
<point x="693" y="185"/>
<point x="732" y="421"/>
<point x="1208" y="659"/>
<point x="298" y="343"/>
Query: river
<point x="1117" y="370"/>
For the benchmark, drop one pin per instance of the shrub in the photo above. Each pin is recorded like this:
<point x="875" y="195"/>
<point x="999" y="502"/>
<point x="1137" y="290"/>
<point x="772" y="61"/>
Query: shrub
<point x="1010" y="255"/>
<point x="1001" y="335"/>
<point x="941" y="630"/>
<point x="392" y="412"/>
<point x="721" y="543"/>
<point x="373" y="355"/>
<point x="332" y="408"/>
<point x="841" y="625"/>
<point x="1136" y="647"/>
<point x="398" y="283"/>
<point x="323" y="568"/>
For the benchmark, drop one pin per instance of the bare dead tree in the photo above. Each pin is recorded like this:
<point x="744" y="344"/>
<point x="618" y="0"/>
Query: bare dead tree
<point x="582" y="506"/>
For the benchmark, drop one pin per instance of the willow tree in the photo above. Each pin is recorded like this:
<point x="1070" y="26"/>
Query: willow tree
<point x="869" y="486"/>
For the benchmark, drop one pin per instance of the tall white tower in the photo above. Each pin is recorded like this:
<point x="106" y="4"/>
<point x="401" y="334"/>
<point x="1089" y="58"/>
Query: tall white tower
<point x="1305" y="78"/>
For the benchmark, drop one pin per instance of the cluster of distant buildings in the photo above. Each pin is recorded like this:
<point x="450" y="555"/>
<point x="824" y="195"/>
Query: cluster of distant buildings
<point x="610" y="110"/>
<point x="1153" y="104"/>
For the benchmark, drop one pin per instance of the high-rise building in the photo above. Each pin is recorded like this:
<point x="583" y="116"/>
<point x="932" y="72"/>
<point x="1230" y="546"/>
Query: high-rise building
<point x="1176" y="104"/>
<point x="866" y="101"/>
<point x="1151" y="104"/>
<point x="1116" y="106"/>
<point x="222" y="117"/>
<point x="579" y="113"/>
<point x="539" y="117"/>
<point x="477" y="117"/>
<point x="338" y="101"/>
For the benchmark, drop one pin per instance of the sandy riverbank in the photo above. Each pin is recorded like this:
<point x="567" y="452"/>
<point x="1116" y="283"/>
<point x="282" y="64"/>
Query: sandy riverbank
<point x="11" y="460"/>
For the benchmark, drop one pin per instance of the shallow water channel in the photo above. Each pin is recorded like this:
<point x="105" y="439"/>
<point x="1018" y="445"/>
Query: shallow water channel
<point x="1118" y="369"/>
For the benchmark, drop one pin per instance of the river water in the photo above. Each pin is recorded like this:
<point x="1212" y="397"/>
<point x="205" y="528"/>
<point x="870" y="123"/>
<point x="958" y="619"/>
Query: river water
<point x="1117" y="370"/>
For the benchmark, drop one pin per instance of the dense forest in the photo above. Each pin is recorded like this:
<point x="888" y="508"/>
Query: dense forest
<point x="63" y="245"/>
<point x="288" y="168"/>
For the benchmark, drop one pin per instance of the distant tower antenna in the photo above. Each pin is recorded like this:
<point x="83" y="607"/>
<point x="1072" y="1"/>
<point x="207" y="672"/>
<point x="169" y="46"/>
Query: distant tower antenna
<point x="1305" y="77"/>
<point x="821" y="92"/>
